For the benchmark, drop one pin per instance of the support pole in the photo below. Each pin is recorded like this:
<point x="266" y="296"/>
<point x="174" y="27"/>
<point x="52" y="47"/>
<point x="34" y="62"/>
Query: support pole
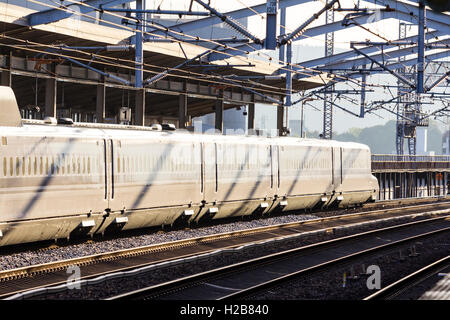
<point x="328" y="97"/>
<point x="363" y="95"/>
<point x="182" y="111"/>
<point x="50" y="95"/>
<point x="100" y="103"/>
<point x="139" y="53"/>
<point x="139" y="112"/>
<point x="280" y="119"/>
<point x="421" y="48"/>
<point x="289" y="75"/>
<point x="251" y="115"/>
<point x="219" y="114"/>
<point x="271" y="24"/>
<point x="281" y="49"/>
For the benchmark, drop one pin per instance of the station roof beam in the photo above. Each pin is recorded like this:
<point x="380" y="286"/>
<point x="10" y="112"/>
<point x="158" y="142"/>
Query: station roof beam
<point x="53" y="15"/>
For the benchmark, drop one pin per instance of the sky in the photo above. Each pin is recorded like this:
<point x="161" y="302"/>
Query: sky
<point x="304" y="50"/>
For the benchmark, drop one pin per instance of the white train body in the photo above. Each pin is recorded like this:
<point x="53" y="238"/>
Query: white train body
<point x="61" y="180"/>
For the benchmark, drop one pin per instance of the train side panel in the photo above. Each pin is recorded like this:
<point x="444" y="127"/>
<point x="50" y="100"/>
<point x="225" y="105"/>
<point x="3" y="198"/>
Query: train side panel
<point x="357" y="180"/>
<point x="156" y="172"/>
<point x="244" y="171"/>
<point x="305" y="174"/>
<point x="51" y="176"/>
<point x="58" y="181"/>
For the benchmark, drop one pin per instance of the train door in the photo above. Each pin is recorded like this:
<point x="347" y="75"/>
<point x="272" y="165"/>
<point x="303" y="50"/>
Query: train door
<point x="275" y="170"/>
<point x="336" y="156"/>
<point x="210" y="183"/>
<point x="108" y="153"/>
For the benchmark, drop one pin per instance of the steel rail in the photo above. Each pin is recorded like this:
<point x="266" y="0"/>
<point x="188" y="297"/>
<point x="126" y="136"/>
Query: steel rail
<point x="52" y="267"/>
<point x="201" y="278"/>
<point x="30" y="271"/>
<point x="410" y="280"/>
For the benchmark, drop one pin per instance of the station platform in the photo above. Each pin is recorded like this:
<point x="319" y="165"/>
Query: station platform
<point x="405" y="176"/>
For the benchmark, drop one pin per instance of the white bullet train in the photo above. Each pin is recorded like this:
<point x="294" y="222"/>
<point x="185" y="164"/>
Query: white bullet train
<point x="61" y="180"/>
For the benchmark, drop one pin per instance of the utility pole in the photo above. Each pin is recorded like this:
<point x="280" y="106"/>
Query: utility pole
<point x="328" y="97"/>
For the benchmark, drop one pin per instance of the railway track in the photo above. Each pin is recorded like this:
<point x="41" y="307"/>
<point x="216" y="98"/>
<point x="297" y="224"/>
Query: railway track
<point x="409" y="282"/>
<point x="18" y="280"/>
<point x="242" y="280"/>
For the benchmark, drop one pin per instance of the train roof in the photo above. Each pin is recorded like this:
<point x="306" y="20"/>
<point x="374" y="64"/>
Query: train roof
<point x="80" y="131"/>
<point x="12" y="124"/>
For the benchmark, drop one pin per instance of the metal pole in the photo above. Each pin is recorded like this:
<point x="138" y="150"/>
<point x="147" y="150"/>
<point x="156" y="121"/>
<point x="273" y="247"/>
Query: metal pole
<point x="271" y="24"/>
<point x="282" y="31"/>
<point x="363" y="94"/>
<point x="328" y="98"/>
<point x="289" y="75"/>
<point x="301" y="121"/>
<point x="139" y="53"/>
<point x="421" y="47"/>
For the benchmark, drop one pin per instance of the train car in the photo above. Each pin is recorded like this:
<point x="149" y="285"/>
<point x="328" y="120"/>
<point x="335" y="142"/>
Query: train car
<point x="62" y="180"/>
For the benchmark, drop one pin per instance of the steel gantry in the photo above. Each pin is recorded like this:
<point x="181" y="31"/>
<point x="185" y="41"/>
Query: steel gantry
<point x="405" y="58"/>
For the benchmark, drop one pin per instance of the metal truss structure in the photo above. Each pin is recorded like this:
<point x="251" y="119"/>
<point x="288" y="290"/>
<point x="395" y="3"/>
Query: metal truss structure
<point x="407" y="58"/>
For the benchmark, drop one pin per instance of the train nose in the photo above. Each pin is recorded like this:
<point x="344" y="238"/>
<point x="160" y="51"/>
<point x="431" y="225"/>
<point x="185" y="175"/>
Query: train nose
<point x="375" y="186"/>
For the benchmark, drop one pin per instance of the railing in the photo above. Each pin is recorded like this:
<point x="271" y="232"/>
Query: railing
<point x="408" y="158"/>
<point x="392" y="162"/>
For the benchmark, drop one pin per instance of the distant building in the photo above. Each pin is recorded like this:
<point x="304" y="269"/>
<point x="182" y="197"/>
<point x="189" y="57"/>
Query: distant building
<point x="234" y="121"/>
<point x="421" y="141"/>
<point x="295" y="127"/>
<point x="446" y="143"/>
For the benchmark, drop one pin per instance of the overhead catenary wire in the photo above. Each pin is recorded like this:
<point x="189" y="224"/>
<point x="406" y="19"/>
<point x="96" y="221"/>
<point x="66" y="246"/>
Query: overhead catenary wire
<point x="209" y="81"/>
<point x="200" y="75"/>
<point x="206" y="40"/>
<point x="160" y="36"/>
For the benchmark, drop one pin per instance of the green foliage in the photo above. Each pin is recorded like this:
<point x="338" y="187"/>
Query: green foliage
<point x="381" y="138"/>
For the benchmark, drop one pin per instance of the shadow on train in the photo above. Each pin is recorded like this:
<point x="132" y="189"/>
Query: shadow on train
<point x="43" y="185"/>
<point x="153" y="175"/>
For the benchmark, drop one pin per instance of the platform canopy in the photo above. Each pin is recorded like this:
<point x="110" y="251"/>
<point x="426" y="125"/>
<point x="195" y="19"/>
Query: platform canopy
<point x="59" y="50"/>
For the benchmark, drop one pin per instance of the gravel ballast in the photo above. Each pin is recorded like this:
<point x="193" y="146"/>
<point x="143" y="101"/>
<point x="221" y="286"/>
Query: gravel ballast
<point x="120" y="285"/>
<point x="33" y="257"/>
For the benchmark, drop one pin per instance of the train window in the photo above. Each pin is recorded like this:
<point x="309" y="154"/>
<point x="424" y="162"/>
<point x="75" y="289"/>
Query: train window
<point x="5" y="166"/>
<point x="52" y="164"/>
<point x="57" y="164"/>
<point x="89" y="165"/>
<point x="118" y="164"/>
<point x="22" y="164"/>
<point x="63" y="164"/>
<point x="74" y="167"/>
<point x="29" y="166"/>
<point x="84" y="165"/>
<point x="17" y="166"/>
<point x="41" y="166"/>
<point x="46" y="166"/>
<point x="11" y="166"/>
<point x="79" y="165"/>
